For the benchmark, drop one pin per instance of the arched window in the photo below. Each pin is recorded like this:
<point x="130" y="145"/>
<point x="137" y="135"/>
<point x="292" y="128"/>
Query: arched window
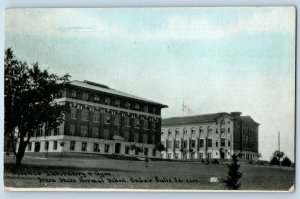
<point x="169" y="132"/>
<point x="177" y="132"/>
<point x="201" y="130"/>
<point x="193" y="130"/>
<point x="184" y="131"/>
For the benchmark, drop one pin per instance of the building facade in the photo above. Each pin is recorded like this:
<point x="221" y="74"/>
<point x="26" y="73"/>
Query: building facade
<point x="210" y="136"/>
<point x="101" y="120"/>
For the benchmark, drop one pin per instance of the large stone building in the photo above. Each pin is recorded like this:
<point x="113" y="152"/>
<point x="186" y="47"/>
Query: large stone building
<point x="101" y="120"/>
<point x="210" y="136"/>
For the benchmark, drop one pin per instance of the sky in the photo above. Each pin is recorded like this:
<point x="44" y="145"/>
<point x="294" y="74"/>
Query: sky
<point x="211" y="59"/>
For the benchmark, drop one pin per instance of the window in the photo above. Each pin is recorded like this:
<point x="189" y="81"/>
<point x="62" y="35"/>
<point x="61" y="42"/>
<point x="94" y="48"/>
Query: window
<point x="200" y="155"/>
<point x="193" y="131"/>
<point x="184" y="143"/>
<point x="169" y="156"/>
<point x="118" y="102"/>
<point x="85" y="96"/>
<point x="40" y="130"/>
<point x="29" y="146"/>
<point x="107" y="118"/>
<point x="209" y="142"/>
<point x="55" y="145"/>
<point x="146" y="151"/>
<point x="176" y="156"/>
<point x="46" y="145"/>
<point x="201" y="129"/>
<point x="117" y="120"/>
<point x="73" y="113"/>
<point x="84" y="131"/>
<point x="208" y="155"/>
<point x="137" y="106"/>
<point x="72" y="145"/>
<point x="127" y="105"/>
<point x="184" y="131"/>
<point x="201" y="143"/>
<point x="146" y="124"/>
<point x="107" y="101"/>
<point x="74" y="94"/>
<point x="145" y="138"/>
<point x="126" y="149"/>
<point x="136" y="152"/>
<point x="106" y="134"/>
<point x="154" y="109"/>
<point x="209" y="129"/>
<point x="177" y="132"/>
<point x="228" y="143"/>
<point x="153" y="152"/>
<point x="222" y="122"/>
<point x="222" y="130"/>
<point x="153" y="125"/>
<point x="96" y="98"/>
<point x="217" y="143"/>
<point x="127" y="121"/>
<point x="228" y="130"/>
<point x="222" y="141"/>
<point x="85" y="115"/>
<point x="56" y="131"/>
<point x="72" y="129"/>
<point x="177" y="144"/>
<point x="169" y="132"/>
<point x="137" y="123"/>
<point x="193" y="143"/>
<point x="83" y="146"/>
<point x="217" y="131"/>
<point x="146" y="108"/>
<point x="95" y="132"/>
<point x="96" y="147"/>
<point x="96" y="116"/>
<point x="169" y="144"/>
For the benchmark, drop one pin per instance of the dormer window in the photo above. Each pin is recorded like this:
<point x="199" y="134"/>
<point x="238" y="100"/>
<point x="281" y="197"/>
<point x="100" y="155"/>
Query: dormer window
<point x="201" y="129"/>
<point x="193" y="131"/>
<point x="209" y="129"/>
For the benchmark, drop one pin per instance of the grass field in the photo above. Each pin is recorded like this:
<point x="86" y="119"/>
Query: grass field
<point x="132" y="174"/>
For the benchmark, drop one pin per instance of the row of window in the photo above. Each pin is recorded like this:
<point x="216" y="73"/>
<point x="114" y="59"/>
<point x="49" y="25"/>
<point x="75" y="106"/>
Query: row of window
<point x="84" y="148"/>
<point x="201" y="130"/>
<point x="200" y="156"/>
<point x="113" y="102"/>
<point x="107" y="119"/>
<point x="193" y="143"/>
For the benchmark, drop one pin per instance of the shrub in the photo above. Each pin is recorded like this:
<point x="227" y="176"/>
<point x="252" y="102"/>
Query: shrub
<point x="274" y="161"/>
<point x="286" y="162"/>
<point x="233" y="176"/>
<point x="202" y="161"/>
<point x="215" y="161"/>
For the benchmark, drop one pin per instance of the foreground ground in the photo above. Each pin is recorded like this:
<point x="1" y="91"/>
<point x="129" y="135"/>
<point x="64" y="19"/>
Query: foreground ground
<point x="53" y="172"/>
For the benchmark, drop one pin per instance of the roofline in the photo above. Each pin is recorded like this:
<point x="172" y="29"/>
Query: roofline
<point x="228" y="114"/>
<point x="140" y="100"/>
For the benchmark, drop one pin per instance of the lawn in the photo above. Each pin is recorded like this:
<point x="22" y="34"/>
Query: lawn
<point x="54" y="172"/>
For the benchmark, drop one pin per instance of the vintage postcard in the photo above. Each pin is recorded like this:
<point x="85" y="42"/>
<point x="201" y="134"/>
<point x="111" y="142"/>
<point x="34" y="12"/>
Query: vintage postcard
<point x="150" y="99"/>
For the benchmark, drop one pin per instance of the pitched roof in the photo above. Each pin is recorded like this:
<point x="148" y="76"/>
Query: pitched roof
<point x="106" y="89"/>
<point x="248" y="120"/>
<point x="193" y="119"/>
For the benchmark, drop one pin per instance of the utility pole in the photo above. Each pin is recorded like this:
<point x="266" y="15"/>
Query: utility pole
<point x="279" y="148"/>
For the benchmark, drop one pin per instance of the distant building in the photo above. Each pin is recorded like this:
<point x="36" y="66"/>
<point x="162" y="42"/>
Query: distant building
<point x="101" y="120"/>
<point x="210" y="136"/>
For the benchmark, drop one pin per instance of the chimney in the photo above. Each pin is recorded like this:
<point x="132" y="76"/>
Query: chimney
<point x="236" y="114"/>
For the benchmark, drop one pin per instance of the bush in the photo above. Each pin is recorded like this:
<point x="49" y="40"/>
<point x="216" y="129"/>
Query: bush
<point x="250" y="162"/>
<point x="286" y="162"/>
<point x="202" y="161"/>
<point x="215" y="161"/>
<point x="274" y="161"/>
<point x="233" y="176"/>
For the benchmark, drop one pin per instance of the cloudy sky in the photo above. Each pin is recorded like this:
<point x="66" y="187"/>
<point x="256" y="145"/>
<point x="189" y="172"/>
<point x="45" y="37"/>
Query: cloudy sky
<point x="212" y="59"/>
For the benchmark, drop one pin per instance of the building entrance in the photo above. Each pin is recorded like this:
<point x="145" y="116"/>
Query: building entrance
<point x="222" y="153"/>
<point x="37" y="147"/>
<point x="117" y="148"/>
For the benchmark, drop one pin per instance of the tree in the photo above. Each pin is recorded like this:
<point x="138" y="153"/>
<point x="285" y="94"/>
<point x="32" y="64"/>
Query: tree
<point x="276" y="158"/>
<point x="233" y="176"/>
<point x="286" y="162"/>
<point x="30" y="94"/>
<point x="160" y="147"/>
